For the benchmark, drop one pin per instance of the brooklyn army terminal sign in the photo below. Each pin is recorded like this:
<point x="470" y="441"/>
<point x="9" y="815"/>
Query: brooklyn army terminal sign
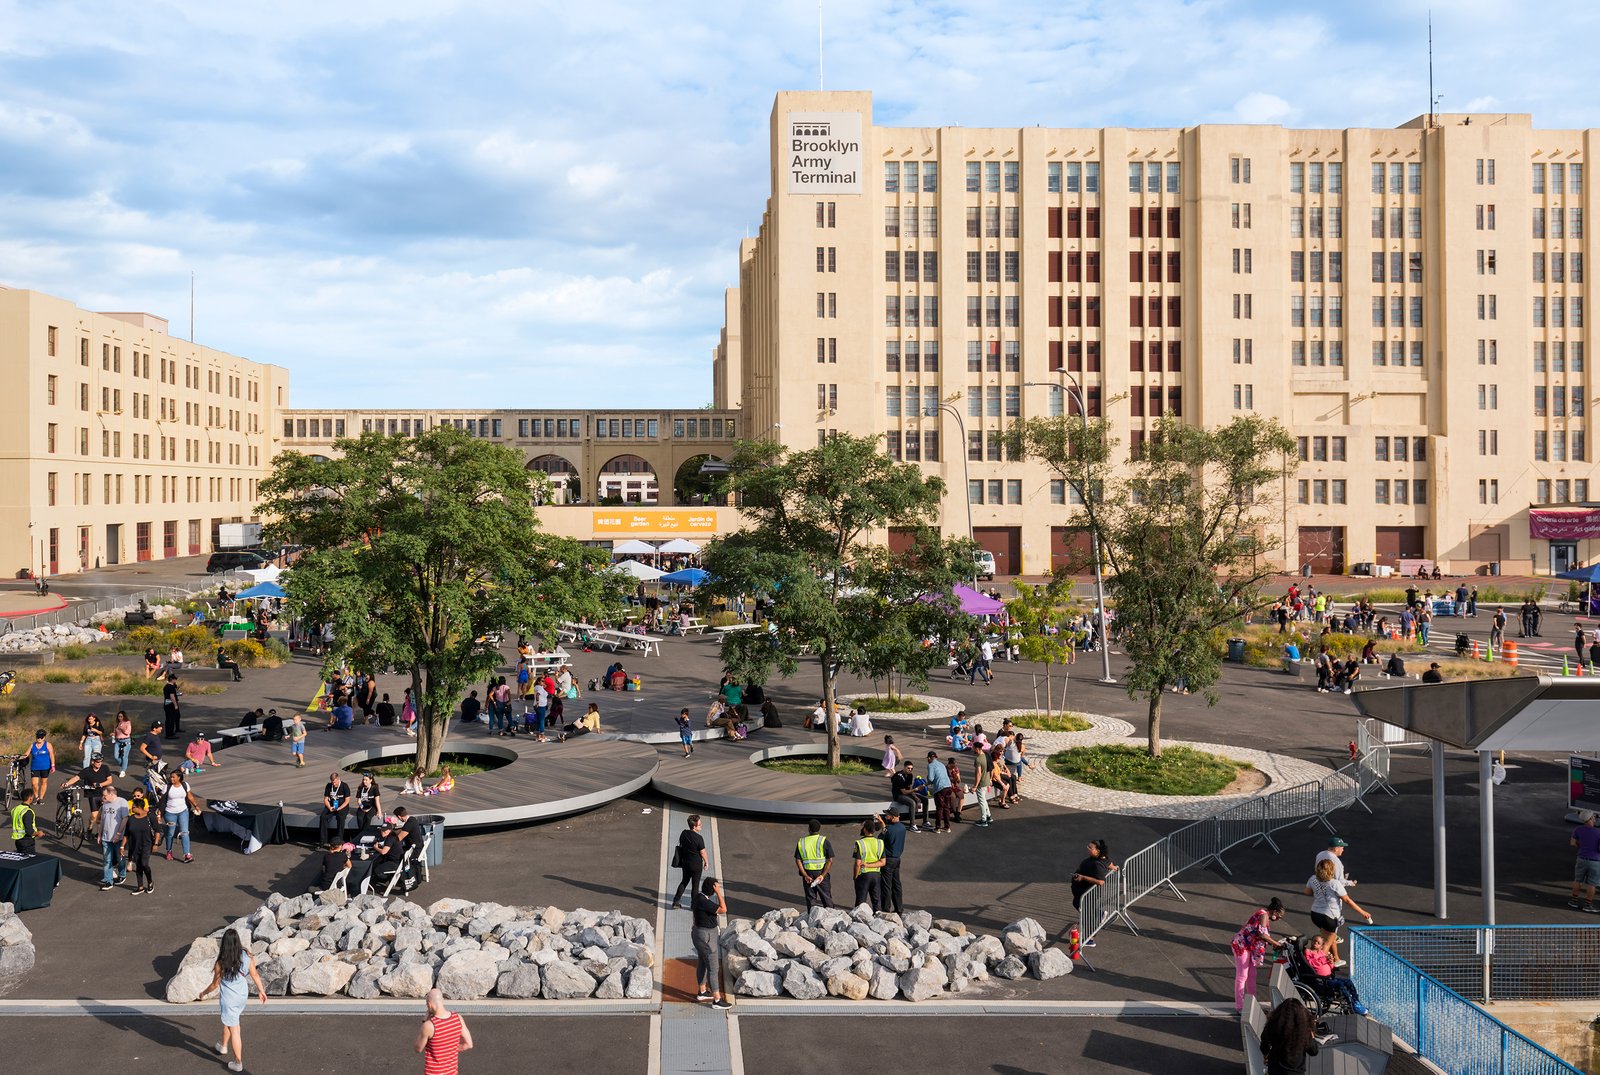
<point x="824" y="152"/>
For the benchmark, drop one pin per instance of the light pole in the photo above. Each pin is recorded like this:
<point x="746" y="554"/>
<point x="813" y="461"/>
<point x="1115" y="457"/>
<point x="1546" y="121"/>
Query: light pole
<point x="966" y="469"/>
<point x="1094" y="536"/>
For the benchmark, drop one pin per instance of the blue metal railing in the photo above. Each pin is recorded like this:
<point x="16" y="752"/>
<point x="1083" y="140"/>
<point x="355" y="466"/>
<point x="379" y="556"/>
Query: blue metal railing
<point x="1444" y="1027"/>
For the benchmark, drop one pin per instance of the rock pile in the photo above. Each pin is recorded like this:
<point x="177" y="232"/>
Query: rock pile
<point x="326" y="944"/>
<point x="38" y="639"/>
<point x="859" y="954"/>
<point x="16" y="944"/>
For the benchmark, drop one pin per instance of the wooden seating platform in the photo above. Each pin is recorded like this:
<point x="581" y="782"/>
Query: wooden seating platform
<point x="540" y="781"/>
<point x="723" y="775"/>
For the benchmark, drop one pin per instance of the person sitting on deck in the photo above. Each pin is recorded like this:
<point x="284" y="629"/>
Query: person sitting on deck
<point x="445" y="783"/>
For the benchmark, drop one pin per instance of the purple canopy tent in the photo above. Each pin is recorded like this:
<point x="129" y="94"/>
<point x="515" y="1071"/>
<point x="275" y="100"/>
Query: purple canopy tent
<point x="974" y="603"/>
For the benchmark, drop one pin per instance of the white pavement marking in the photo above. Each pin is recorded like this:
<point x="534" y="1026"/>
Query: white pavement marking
<point x="653" y="1053"/>
<point x="323" y="1006"/>
<point x="1074" y="1008"/>
<point x="661" y="910"/>
<point x="691" y="1039"/>
<point x="735" y="1047"/>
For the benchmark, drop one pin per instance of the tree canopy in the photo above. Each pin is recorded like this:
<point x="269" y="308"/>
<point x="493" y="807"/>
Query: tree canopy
<point x="1181" y="529"/>
<point x="811" y="546"/>
<point x="416" y="548"/>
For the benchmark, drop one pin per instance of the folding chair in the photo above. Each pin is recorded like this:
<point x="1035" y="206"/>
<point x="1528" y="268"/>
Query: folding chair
<point x="405" y="864"/>
<point x="422" y="856"/>
<point x="340" y="879"/>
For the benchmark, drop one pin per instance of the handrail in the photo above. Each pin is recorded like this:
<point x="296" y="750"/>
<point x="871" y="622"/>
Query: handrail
<point x="1252" y="821"/>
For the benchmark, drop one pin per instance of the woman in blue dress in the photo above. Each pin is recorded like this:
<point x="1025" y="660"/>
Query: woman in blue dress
<point x="235" y="970"/>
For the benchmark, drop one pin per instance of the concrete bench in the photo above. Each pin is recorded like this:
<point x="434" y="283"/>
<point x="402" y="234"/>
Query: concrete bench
<point x="227" y="737"/>
<point x="205" y="672"/>
<point x="36" y="657"/>
<point x="1252" y="1021"/>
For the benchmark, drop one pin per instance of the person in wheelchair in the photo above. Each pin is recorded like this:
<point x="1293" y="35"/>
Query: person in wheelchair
<point x="1311" y="969"/>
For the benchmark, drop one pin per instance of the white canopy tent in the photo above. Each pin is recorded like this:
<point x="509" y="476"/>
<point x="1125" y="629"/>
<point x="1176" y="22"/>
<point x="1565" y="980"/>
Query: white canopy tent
<point x="642" y="572"/>
<point x="633" y="547"/>
<point x="680" y="545"/>
<point x="269" y="573"/>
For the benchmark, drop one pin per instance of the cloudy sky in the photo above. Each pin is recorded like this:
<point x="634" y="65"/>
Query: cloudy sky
<point x="532" y="203"/>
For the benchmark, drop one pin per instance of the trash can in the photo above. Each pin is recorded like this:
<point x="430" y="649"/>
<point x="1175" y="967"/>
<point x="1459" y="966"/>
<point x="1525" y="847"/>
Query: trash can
<point x="432" y="825"/>
<point x="1305" y="570"/>
<point x="1494" y="567"/>
<point x="1236" y="650"/>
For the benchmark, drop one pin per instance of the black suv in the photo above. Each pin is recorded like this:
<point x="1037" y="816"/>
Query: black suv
<point x="235" y="561"/>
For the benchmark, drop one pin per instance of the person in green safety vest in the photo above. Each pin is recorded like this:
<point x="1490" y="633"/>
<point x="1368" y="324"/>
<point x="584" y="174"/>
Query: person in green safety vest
<point x="813" y="857"/>
<point x="25" y="823"/>
<point x="869" y="865"/>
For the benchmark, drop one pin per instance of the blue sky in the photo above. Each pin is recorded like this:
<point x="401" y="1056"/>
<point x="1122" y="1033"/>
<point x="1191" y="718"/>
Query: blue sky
<point x="538" y="204"/>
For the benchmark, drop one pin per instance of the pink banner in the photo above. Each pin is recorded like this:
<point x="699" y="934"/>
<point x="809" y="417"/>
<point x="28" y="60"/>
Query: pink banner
<point x="1564" y="525"/>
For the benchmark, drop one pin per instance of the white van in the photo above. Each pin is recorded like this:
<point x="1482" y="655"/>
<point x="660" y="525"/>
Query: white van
<point x="983" y="564"/>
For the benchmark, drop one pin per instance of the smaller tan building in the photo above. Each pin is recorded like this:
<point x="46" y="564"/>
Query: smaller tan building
<point x="120" y="442"/>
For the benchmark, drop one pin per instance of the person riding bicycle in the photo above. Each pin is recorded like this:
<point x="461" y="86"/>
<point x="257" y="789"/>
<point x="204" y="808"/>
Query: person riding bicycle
<point x="25" y="823"/>
<point x="95" y="778"/>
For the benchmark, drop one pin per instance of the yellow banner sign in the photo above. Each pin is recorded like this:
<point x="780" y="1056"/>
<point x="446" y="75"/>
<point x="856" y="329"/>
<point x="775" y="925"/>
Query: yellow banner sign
<point x="655" y="521"/>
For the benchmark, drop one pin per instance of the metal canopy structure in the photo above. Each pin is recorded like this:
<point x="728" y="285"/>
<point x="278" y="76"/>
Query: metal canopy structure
<point x="1520" y="713"/>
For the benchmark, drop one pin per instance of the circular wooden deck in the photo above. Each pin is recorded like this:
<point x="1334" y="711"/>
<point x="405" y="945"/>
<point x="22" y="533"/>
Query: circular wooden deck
<point x="724" y="775"/>
<point x="539" y="781"/>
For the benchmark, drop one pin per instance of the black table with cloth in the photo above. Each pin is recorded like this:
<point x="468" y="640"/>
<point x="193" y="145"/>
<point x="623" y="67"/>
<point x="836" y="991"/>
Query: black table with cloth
<point x="28" y="881"/>
<point x="256" y="825"/>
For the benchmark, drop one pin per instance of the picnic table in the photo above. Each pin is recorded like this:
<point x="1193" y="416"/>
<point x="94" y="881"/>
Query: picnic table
<point x="730" y="627"/>
<point x="692" y="625"/>
<point x="548" y="661"/>
<point x="615" y="640"/>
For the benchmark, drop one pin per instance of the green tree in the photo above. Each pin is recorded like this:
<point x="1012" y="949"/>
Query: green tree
<point x="1038" y="612"/>
<point x="806" y="546"/>
<point x="419" y="547"/>
<point x="1181" y="530"/>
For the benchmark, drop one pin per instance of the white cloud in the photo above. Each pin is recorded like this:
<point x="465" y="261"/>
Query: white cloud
<point x="454" y="201"/>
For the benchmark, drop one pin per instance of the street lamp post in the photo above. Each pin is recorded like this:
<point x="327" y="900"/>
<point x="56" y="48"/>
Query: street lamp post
<point x="966" y="468"/>
<point x="1094" y="536"/>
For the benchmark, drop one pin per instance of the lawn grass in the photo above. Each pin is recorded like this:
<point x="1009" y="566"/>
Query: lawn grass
<point x="898" y="703"/>
<point x="808" y="766"/>
<point x="1179" y="770"/>
<point x="1052" y="722"/>
<point x="400" y="768"/>
<point x="111" y="681"/>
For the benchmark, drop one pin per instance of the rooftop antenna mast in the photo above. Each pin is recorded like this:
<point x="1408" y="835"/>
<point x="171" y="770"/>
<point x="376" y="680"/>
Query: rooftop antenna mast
<point x="1432" y="119"/>
<point x="191" y="306"/>
<point x="819" y="46"/>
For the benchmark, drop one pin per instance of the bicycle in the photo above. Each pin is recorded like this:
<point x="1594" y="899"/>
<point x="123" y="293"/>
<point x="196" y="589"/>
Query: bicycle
<point x="1566" y="607"/>
<point x="72" y="820"/>
<point x="17" y="786"/>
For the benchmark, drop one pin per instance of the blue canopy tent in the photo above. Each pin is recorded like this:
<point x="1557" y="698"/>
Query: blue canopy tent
<point x="1591" y="576"/>
<point x="689" y="576"/>
<point x="261" y="589"/>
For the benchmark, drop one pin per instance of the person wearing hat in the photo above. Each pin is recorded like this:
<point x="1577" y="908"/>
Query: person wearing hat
<point x="894" y="845"/>
<point x="95" y="779"/>
<point x="1586" y="871"/>
<point x="1335" y="853"/>
<point x="170" y="713"/>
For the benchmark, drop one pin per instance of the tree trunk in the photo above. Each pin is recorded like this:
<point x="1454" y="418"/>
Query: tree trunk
<point x="431" y="728"/>
<point x="1049" y="692"/>
<point x="1155" y="722"/>
<point x="828" y="711"/>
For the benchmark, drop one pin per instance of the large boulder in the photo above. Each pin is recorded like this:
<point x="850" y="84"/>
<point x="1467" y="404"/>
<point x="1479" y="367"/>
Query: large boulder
<point x="408" y="980"/>
<point x="921" y="983"/>
<point x="323" y="978"/>
<point x="468" y="975"/>
<point x="564" y="981"/>
<point x="1049" y="963"/>
<point x="757" y="983"/>
<point x="194" y="972"/>
<point x="802" y="983"/>
<point x="611" y="987"/>
<point x="641" y="983"/>
<point x="848" y="985"/>
<point x="522" y="982"/>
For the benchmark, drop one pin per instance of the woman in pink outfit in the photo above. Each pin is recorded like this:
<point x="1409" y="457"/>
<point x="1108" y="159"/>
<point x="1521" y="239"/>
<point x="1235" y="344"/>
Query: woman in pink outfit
<point x="1250" y="949"/>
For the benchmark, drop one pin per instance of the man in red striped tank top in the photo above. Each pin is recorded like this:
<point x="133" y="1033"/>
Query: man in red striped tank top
<point x="443" y="1038"/>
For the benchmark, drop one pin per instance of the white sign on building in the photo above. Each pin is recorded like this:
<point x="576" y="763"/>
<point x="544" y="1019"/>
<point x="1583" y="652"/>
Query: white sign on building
<point x="822" y="151"/>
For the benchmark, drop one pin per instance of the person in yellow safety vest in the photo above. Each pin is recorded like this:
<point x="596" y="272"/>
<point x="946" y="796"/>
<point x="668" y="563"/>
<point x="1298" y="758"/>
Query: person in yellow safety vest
<point x="25" y="823"/>
<point x="869" y="865"/>
<point x="813" y="857"/>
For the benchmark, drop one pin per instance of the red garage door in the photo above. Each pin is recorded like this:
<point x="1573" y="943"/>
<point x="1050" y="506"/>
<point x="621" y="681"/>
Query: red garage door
<point x="1396" y="543"/>
<point x="1006" y="544"/>
<point x="1323" y="548"/>
<point x="1071" y="549"/>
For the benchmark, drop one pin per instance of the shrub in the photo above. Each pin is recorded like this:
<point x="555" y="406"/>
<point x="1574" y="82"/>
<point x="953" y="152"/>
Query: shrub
<point x="74" y="652"/>
<point x="1179" y="770"/>
<point x="252" y="654"/>
<point x="898" y="703"/>
<point x="722" y="619"/>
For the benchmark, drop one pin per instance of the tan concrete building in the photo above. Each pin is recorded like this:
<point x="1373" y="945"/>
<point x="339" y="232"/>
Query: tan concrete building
<point x="635" y="457"/>
<point x="119" y="442"/>
<point x="1409" y="302"/>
